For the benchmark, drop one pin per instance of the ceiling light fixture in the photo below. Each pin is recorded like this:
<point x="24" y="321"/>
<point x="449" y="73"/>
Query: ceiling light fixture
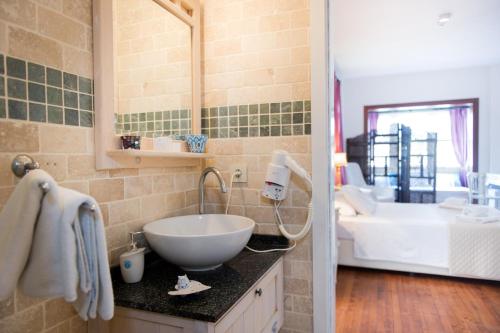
<point x="443" y="19"/>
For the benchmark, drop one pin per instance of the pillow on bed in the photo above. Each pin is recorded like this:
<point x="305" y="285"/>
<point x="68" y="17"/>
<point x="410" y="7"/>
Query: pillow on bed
<point x="362" y="202"/>
<point x="344" y="208"/>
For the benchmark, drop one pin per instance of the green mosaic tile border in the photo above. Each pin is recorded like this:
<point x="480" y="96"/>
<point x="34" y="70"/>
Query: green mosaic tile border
<point x="37" y="93"/>
<point x="254" y="120"/>
<point x="153" y="124"/>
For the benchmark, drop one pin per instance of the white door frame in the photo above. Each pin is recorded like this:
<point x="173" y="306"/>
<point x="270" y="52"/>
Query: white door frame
<point x="324" y="249"/>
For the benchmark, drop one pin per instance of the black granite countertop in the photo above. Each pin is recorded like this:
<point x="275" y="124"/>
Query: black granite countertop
<point x="229" y="283"/>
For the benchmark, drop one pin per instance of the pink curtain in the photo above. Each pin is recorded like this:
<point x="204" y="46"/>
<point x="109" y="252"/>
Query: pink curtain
<point x="372" y="121"/>
<point x="458" y="118"/>
<point x="339" y="135"/>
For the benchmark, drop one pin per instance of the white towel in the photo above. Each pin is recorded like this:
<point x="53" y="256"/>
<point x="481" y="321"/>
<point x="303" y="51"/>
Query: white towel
<point x="454" y="203"/>
<point x="68" y="252"/>
<point x="479" y="214"/>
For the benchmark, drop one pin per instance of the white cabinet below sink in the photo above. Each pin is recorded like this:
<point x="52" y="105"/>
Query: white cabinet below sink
<point x="259" y="310"/>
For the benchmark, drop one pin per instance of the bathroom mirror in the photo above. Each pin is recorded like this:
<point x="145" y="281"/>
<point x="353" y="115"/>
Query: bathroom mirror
<point x="147" y="73"/>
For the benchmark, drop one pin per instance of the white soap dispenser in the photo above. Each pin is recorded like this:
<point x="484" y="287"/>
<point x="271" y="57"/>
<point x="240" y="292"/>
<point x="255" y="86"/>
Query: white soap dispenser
<point x="132" y="261"/>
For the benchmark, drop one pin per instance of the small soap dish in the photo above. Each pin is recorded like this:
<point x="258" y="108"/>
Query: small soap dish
<point x="193" y="288"/>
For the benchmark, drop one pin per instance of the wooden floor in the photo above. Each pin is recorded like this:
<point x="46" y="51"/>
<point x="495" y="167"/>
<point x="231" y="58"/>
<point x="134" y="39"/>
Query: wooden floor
<point x="381" y="301"/>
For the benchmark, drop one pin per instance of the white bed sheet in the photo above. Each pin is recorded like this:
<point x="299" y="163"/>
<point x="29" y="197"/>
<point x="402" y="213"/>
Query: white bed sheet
<point x="401" y="232"/>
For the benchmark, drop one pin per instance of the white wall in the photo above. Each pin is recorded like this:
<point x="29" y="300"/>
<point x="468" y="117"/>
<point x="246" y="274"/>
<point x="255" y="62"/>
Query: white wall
<point x="477" y="82"/>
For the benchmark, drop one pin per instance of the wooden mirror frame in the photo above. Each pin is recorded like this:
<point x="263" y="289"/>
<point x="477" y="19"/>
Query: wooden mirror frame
<point x="105" y="80"/>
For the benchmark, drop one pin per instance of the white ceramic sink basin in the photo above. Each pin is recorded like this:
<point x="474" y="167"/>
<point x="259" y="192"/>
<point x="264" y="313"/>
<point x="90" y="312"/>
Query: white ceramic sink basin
<point x="199" y="242"/>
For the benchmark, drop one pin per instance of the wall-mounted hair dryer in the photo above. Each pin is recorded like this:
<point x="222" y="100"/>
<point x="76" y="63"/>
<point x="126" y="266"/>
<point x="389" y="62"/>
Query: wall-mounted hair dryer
<point x="276" y="187"/>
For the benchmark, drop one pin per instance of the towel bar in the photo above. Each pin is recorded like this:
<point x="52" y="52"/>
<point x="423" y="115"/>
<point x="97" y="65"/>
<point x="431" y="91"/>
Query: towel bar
<point x="46" y="187"/>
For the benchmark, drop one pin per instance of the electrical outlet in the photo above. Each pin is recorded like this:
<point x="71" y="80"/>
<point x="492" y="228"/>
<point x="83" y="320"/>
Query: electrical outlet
<point x="242" y="170"/>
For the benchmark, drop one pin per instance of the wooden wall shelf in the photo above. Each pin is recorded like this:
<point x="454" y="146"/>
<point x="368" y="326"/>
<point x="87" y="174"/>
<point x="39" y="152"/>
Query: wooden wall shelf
<point x="134" y="158"/>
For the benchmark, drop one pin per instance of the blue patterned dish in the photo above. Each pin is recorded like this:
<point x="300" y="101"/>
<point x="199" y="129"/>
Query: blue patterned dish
<point x="196" y="142"/>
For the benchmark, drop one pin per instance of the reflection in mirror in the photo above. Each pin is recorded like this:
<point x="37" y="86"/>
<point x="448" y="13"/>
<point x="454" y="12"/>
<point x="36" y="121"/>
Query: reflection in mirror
<point x="153" y="63"/>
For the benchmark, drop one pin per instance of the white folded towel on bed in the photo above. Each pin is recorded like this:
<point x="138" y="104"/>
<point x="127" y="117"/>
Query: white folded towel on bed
<point x="454" y="203"/>
<point x="479" y="214"/>
<point x="68" y="256"/>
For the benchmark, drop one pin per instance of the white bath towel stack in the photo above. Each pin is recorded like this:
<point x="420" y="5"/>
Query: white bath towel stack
<point x="54" y="245"/>
<point x="479" y="214"/>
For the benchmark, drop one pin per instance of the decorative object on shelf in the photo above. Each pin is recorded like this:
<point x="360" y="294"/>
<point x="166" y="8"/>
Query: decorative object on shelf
<point x="131" y="141"/>
<point x="169" y="144"/>
<point x="185" y="286"/>
<point x="196" y="142"/>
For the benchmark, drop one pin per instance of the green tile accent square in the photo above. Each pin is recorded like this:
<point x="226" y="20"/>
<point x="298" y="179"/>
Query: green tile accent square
<point x="54" y="77"/>
<point x="2" y="68"/>
<point x="84" y="85"/>
<point x="150" y="116"/>
<point x="214" y="122"/>
<point x="134" y="126"/>
<point x="253" y="131"/>
<point x="70" y="99"/>
<point x="158" y="125"/>
<point x="166" y="115"/>
<point x="158" y="115"/>
<point x="71" y="117"/>
<point x="134" y="117"/>
<point x="205" y="123"/>
<point x="143" y="126"/>
<point x="244" y="120"/>
<point x="175" y="124"/>
<point x="70" y="81"/>
<point x="126" y="127"/>
<point x="223" y="121"/>
<point x="223" y="133"/>
<point x="142" y="116"/>
<point x="307" y="129"/>
<point x="275" y="107"/>
<point x="16" y="68"/>
<point x="54" y="96"/>
<point x="253" y="109"/>
<point x="166" y="125"/>
<point x="2" y="86"/>
<point x="184" y="114"/>
<point x="223" y="111"/>
<point x="275" y="130"/>
<point x="55" y="114"/>
<point x="214" y="133"/>
<point x="286" y="119"/>
<point x="37" y="112"/>
<point x="175" y="114"/>
<point x="205" y="131"/>
<point x="185" y="124"/>
<point x="214" y="112"/>
<point x="204" y="112"/>
<point x="233" y="133"/>
<point x="86" y="102"/>
<point x="86" y="119"/>
<point x="253" y="120"/>
<point x="264" y="131"/>
<point x="36" y="73"/>
<point x="243" y="132"/>
<point x="286" y="130"/>
<point x="307" y="105"/>
<point x="298" y="129"/>
<point x="3" y="111"/>
<point x="18" y="110"/>
<point x="298" y="118"/>
<point x="264" y="120"/>
<point x="233" y="121"/>
<point x="264" y="108"/>
<point x="36" y="92"/>
<point x="16" y="88"/>
<point x="243" y="110"/>
<point x="307" y="117"/>
<point x="150" y="126"/>
<point x="233" y="110"/>
<point x="286" y="107"/>
<point x="298" y="106"/>
<point x="275" y="119"/>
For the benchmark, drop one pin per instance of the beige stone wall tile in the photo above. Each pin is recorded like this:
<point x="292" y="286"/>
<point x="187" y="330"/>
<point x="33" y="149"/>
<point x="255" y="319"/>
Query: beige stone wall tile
<point x="78" y="61"/>
<point x="52" y="4"/>
<point x="116" y="236"/>
<point x="298" y="321"/>
<point x="56" y="311"/>
<point x="124" y="211"/>
<point x="5" y="193"/>
<point x="18" y="137"/>
<point x="62" y="139"/>
<point x="63" y="327"/>
<point x="104" y="190"/>
<point x="138" y="186"/>
<point x="184" y="182"/>
<point x="55" y="165"/>
<point x="175" y="201"/>
<point x="6" y="175"/>
<point x="30" y="320"/>
<point x="59" y="27"/>
<point x="296" y="286"/>
<point x="105" y="213"/>
<point x="20" y="12"/>
<point x="123" y="172"/>
<point x="153" y="206"/>
<point x="7" y="307"/>
<point x="80" y="186"/>
<point x="3" y="37"/>
<point x="80" y="10"/>
<point x="77" y="325"/>
<point x="163" y="183"/>
<point x="81" y="166"/>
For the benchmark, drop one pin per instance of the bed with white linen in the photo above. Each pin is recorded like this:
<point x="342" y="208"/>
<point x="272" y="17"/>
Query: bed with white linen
<point x="420" y="238"/>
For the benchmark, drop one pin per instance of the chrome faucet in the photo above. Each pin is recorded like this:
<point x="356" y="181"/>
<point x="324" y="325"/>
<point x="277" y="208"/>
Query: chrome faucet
<point x="201" y="186"/>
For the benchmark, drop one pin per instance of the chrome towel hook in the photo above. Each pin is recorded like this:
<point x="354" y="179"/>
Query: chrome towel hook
<point x="22" y="164"/>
